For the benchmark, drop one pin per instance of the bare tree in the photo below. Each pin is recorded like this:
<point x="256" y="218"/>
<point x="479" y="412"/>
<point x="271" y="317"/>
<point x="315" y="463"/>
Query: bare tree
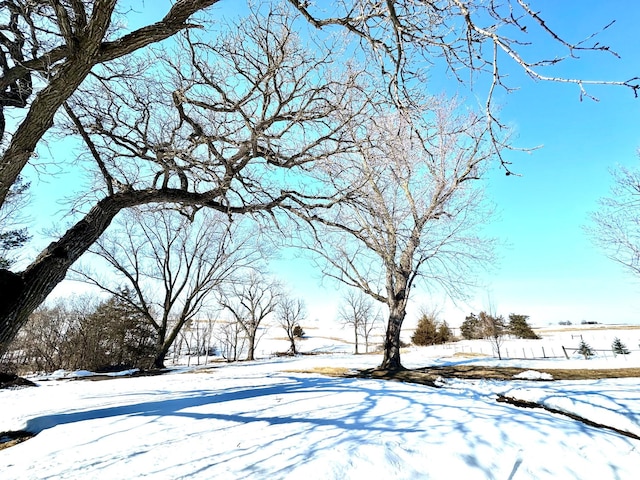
<point x="357" y="311"/>
<point x="231" y="340"/>
<point x="60" y="42"/>
<point x="196" y="336"/>
<point x="290" y="312"/>
<point x="48" y="50"/>
<point x="411" y="211"/>
<point x="250" y="302"/>
<point x="205" y="127"/>
<point x="172" y="265"/>
<point x="494" y="330"/>
<point x="368" y="326"/>
<point x="616" y="224"/>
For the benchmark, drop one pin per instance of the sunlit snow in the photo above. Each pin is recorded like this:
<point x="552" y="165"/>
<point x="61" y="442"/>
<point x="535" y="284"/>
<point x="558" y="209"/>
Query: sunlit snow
<point x="267" y="420"/>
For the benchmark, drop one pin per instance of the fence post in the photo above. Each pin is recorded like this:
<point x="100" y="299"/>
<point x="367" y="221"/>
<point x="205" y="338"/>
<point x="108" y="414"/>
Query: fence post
<point x="565" y="352"/>
<point x="544" y="355"/>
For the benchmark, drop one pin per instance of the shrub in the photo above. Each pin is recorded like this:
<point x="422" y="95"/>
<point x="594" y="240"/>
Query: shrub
<point x="298" y="332"/>
<point x="77" y="334"/>
<point x="618" y="347"/>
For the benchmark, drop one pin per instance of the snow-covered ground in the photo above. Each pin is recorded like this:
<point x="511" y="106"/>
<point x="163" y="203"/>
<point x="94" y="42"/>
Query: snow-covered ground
<point x="268" y="420"/>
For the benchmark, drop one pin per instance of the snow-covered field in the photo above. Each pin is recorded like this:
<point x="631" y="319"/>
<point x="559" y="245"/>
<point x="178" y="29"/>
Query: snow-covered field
<point x="267" y="420"/>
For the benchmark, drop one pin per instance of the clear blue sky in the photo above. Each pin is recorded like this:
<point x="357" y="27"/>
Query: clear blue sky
<point x="549" y="270"/>
<point x="552" y="272"/>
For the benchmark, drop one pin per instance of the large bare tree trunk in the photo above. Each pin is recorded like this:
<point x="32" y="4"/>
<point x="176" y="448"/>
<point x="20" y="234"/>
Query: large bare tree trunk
<point x="251" y="355"/>
<point x="28" y="289"/>
<point x="164" y="344"/>
<point x="391" y="359"/>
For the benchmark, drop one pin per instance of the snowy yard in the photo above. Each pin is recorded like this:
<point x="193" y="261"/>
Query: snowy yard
<point x="265" y="420"/>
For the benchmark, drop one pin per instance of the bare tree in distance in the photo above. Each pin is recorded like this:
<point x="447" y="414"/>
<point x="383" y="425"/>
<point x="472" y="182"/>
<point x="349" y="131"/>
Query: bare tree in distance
<point x="250" y="301"/>
<point x="43" y="67"/>
<point x="413" y="211"/>
<point x="172" y="265"/>
<point x="616" y="223"/>
<point x="290" y="313"/>
<point x="358" y="312"/>
<point x="494" y="329"/>
<point x="231" y="340"/>
<point x="196" y="336"/>
<point x="369" y="326"/>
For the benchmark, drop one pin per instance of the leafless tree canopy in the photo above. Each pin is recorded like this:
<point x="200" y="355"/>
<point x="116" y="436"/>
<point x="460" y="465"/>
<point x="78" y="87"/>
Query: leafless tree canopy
<point x="616" y="224"/>
<point x="467" y="38"/>
<point x="57" y="44"/>
<point x="230" y="125"/>
<point x="412" y="209"/>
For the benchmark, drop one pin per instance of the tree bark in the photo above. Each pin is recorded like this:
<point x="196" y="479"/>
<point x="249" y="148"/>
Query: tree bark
<point x="355" y="330"/>
<point x="158" y="361"/>
<point x="252" y="346"/>
<point x="391" y="359"/>
<point x="164" y="344"/>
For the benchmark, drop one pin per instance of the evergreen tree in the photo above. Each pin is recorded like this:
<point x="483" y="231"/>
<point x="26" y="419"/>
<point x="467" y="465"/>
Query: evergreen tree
<point x="430" y="331"/>
<point x="519" y="327"/>
<point x="426" y="332"/>
<point x="115" y="335"/>
<point x="585" y="349"/>
<point x="618" y="347"/>
<point x="471" y="328"/>
<point x="444" y="333"/>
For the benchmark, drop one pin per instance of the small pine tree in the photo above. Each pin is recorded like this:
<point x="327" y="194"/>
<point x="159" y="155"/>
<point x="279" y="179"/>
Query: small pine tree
<point x="298" y="332"/>
<point x="618" y="347"/>
<point x="585" y="349"/>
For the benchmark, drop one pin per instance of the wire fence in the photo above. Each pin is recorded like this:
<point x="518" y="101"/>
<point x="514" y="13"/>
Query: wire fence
<point x="532" y="352"/>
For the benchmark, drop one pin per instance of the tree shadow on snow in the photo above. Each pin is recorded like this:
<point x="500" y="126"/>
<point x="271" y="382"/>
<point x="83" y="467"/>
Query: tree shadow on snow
<point x="347" y="415"/>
